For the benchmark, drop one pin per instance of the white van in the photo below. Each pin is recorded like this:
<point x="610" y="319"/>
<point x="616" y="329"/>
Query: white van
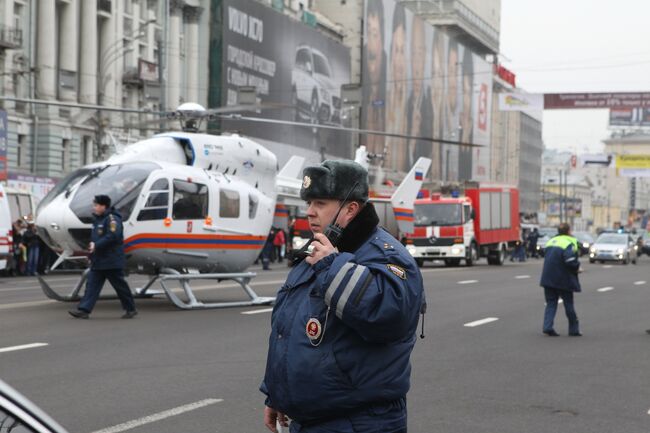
<point x="6" y="237"/>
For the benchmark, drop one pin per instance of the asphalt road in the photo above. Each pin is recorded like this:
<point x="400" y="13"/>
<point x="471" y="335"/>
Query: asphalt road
<point x="199" y="371"/>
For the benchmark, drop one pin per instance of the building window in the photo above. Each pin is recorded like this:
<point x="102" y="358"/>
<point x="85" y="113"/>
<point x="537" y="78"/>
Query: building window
<point x="65" y="155"/>
<point x="86" y="150"/>
<point x="21" y="151"/>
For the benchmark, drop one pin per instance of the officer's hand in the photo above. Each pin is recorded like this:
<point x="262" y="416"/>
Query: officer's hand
<point x="322" y="248"/>
<point x="91" y="247"/>
<point x="272" y="417"/>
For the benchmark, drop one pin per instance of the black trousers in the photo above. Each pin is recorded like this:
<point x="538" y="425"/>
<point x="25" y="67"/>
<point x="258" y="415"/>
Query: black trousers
<point x="95" y="283"/>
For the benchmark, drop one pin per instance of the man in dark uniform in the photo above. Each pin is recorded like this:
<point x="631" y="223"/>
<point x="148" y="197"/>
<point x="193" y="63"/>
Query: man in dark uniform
<point x="560" y="279"/>
<point x="107" y="260"/>
<point x="343" y="326"/>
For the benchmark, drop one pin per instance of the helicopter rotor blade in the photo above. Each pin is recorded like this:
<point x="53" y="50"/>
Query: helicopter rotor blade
<point x="352" y="130"/>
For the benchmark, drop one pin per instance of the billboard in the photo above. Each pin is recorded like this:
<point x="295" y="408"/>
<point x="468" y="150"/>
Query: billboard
<point x="511" y="101"/>
<point x="419" y="81"/>
<point x="596" y="100"/>
<point x="288" y="63"/>
<point x="3" y="144"/>
<point x="629" y="117"/>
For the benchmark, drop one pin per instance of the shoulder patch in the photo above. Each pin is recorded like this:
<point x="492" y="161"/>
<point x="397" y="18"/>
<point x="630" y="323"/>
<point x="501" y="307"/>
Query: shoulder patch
<point x="397" y="270"/>
<point x="113" y="225"/>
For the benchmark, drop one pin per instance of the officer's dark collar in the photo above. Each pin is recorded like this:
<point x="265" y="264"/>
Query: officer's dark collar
<point x="359" y="229"/>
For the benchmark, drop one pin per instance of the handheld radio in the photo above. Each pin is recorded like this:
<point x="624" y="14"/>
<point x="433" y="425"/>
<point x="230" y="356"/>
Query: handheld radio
<point x="333" y="231"/>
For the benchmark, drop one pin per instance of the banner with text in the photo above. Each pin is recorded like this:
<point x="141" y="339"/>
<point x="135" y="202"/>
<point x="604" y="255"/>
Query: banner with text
<point x="596" y="100"/>
<point x="288" y="62"/>
<point x="521" y="101"/>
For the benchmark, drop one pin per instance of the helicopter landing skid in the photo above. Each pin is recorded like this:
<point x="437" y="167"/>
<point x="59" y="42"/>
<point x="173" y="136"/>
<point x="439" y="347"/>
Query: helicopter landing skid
<point x="73" y="296"/>
<point x="243" y="279"/>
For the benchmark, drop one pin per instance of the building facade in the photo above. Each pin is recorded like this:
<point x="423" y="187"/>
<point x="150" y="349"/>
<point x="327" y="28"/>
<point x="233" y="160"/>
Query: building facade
<point x="98" y="52"/>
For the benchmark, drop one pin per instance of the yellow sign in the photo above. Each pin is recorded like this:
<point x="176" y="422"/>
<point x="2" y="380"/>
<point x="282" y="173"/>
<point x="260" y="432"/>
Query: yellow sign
<point x="633" y="161"/>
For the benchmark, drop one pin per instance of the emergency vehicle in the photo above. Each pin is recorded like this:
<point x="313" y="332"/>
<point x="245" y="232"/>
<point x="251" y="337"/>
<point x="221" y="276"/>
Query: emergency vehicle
<point x="481" y="221"/>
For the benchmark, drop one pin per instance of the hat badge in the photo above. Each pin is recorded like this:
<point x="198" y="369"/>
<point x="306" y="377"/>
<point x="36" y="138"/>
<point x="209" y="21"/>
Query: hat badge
<point x="306" y="182"/>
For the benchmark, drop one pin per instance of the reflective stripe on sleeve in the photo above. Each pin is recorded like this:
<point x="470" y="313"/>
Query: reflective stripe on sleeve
<point x="336" y="282"/>
<point x="343" y="300"/>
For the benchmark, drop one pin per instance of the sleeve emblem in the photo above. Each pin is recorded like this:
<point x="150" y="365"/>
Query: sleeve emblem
<point x="397" y="270"/>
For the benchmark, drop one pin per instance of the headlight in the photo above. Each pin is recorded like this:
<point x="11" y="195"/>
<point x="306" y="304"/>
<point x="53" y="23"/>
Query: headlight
<point x="298" y="243"/>
<point x="585" y="245"/>
<point x="593" y="250"/>
<point x="636" y="247"/>
<point x="411" y="249"/>
<point x="456" y="251"/>
<point x="620" y="251"/>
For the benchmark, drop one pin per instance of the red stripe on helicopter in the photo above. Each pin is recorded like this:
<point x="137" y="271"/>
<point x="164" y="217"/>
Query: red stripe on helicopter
<point x="202" y="242"/>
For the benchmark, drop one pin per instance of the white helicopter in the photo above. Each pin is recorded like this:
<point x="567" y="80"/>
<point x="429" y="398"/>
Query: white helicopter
<point x="194" y="206"/>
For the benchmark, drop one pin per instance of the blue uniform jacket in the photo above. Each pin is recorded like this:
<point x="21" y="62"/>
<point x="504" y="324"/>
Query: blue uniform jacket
<point x="374" y="295"/>
<point x="107" y="234"/>
<point x="561" y="264"/>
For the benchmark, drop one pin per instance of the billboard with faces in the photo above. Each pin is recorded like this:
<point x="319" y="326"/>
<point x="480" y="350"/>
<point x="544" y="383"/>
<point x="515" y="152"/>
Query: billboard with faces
<point x="419" y="81"/>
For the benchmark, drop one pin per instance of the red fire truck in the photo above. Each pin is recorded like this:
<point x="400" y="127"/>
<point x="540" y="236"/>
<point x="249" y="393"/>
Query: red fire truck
<point x="481" y="221"/>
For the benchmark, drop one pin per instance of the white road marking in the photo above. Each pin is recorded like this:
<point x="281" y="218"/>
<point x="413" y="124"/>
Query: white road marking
<point x="639" y="283"/>
<point x="468" y="282"/>
<point x="24" y="304"/>
<point x="522" y="277"/>
<point x="481" y="322"/>
<point x="606" y="289"/>
<point x="21" y="347"/>
<point x="159" y="416"/>
<point x="607" y="266"/>
<point x="263" y="310"/>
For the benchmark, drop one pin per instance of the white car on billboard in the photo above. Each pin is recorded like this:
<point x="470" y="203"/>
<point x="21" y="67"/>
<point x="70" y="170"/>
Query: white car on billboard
<point x="315" y="94"/>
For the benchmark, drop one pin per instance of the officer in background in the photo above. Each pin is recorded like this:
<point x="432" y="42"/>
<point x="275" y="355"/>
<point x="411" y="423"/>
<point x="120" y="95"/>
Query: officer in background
<point x="107" y="260"/>
<point x="560" y="279"/>
<point x="343" y="326"/>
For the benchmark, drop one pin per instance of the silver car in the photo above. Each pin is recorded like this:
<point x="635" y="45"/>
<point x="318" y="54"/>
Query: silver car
<point x="616" y="247"/>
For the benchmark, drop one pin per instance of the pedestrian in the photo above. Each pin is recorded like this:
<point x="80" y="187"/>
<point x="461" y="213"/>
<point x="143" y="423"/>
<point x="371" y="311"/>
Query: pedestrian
<point x="533" y="237"/>
<point x="18" y="263"/>
<point x="267" y="251"/>
<point x="107" y="261"/>
<point x="343" y="326"/>
<point x="32" y="243"/>
<point x="278" y="243"/>
<point x="560" y="279"/>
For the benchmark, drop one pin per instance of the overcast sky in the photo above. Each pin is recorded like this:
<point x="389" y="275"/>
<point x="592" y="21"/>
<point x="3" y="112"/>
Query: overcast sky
<point x="577" y="46"/>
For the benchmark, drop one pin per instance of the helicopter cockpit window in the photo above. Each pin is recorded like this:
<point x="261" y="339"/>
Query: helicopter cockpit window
<point x="228" y="204"/>
<point x="253" y="201"/>
<point x="67" y="182"/>
<point x="122" y="183"/>
<point x="157" y="203"/>
<point x="190" y="201"/>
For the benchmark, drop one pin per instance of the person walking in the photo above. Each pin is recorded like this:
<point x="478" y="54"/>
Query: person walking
<point x="278" y="243"/>
<point x="267" y="251"/>
<point x="343" y="326"/>
<point x="533" y="237"/>
<point x="560" y="279"/>
<point x="107" y="261"/>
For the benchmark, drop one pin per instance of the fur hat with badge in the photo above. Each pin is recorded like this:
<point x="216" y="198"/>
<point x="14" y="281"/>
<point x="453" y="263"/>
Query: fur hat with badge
<point x="334" y="180"/>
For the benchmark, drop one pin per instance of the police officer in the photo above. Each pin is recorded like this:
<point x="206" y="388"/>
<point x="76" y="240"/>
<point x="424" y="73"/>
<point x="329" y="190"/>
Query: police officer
<point x="560" y="279"/>
<point x="107" y="260"/>
<point x="344" y="323"/>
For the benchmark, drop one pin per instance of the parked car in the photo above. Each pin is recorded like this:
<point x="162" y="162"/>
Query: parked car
<point x="645" y="241"/>
<point x="19" y="415"/>
<point x="585" y="241"/>
<point x="315" y="93"/>
<point x="618" y="247"/>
